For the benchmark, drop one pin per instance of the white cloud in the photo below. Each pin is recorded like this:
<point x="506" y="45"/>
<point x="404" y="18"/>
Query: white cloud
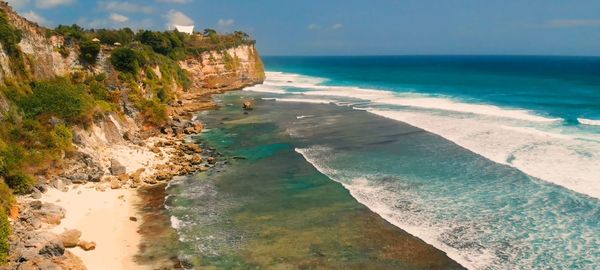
<point x="34" y="17"/>
<point x="17" y="4"/>
<point x="226" y="23"/>
<point x="116" y="17"/>
<point x="337" y="26"/>
<point x="573" y="23"/>
<point x="313" y="26"/>
<point x="316" y="27"/>
<point x="52" y="3"/>
<point x="174" y="1"/>
<point x="110" y="22"/>
<point x="175" y="17"/>
<point x="126" y="7"/>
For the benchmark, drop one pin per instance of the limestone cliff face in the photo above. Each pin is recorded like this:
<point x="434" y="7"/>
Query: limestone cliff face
<point x="228" y="69"/>
<point x="40" y="50"/>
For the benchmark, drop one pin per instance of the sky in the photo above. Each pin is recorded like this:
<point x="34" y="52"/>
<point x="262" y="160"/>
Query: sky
<point x="355" y="27"/>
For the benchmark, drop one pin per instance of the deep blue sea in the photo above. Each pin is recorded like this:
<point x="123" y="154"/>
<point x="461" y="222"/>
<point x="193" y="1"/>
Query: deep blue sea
<point x="494" y="160"/>
<point x="524" y="191"/>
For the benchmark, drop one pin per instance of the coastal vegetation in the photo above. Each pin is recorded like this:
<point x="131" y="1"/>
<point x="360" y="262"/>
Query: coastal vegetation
<point x="38" y="115"/>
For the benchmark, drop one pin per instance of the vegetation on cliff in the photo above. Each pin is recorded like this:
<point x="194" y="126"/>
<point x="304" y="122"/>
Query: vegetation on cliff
<point x="39" y="115"/>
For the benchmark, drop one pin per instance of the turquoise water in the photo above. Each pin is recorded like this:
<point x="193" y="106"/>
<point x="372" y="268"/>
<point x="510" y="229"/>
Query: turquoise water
<point x="493" y="160"/>
<point x="515" y="183"/>
<point x="265" y="207"/>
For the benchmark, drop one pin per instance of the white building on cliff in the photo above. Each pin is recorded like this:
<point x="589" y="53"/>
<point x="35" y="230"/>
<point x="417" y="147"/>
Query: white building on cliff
<point x="188" y="29"/>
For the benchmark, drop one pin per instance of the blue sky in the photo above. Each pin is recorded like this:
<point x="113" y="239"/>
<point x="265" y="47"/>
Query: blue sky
<point x="356" y="27"/>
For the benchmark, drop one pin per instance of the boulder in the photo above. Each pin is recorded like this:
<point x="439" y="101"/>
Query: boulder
<point x="70" y="238"/>
<point x="87" y="246"/>
<point x="78" y="178"/>
<point x="116" y="168"/>
<point x="196" y="160"/>
<point x="212" y="160"/>
<point x="52" y="249"/>
<point x="136" y="177"/>
<point x="115" y="183"/>
<point x="247" y="105"/>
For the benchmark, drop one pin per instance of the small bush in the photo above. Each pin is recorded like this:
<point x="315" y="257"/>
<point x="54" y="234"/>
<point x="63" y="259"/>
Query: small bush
<point x="89" y="51"/>
<point x="5" y="232"/>
<point x="125" y="60"/>
<point x="7" y="199"/>
<point x="59" y="98"/>
<point x="20" y="183"/>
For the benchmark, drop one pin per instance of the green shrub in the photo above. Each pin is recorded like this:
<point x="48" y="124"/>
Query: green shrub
<point x="62" y="137"/>
<point x="74" y="32"/>
<point x="5" y="232"/>
<point x="20" y="183"/>
<point x="125" y="60"/>
<point x="159" y="42"/>
<point x="89" y="51"/>
<point x="60" y="98"/>
<point x="7" y="200"/>
<point x="9" y="36"/>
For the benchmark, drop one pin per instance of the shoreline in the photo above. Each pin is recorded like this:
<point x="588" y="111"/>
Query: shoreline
<point x="103" y="219"/>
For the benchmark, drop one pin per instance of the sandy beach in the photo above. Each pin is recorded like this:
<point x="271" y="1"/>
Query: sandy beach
<point x="102" y="217"/>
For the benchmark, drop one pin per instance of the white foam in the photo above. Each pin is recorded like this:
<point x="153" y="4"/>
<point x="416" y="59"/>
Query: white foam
<point x="556" y="158"/>
<point x="590" y="122"/>
<point x="277" y="80"/>
<point x="380" y="201"/>
<point x="305" y="100"/>
<point x="175" y="223"/>
<point x="519" y="138"/>
<point x="304" y="116"/>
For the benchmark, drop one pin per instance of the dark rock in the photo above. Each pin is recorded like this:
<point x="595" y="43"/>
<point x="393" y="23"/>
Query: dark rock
<point x="134" y="219"/>
<point x="78" y="178"/>
<point x="52" y="249"/>
<point x="36" y="205"/>
<point x="116" y="168"/>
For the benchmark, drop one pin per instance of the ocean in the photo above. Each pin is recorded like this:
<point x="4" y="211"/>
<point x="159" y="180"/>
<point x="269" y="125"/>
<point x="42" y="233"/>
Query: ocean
<point x="494" y="160"/>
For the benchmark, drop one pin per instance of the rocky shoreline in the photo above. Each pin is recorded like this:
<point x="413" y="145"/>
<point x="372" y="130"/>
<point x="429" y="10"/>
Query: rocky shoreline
<point x="34" y="245"/>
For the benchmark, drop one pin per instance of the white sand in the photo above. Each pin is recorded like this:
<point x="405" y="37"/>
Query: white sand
<point x="102" y="217"/>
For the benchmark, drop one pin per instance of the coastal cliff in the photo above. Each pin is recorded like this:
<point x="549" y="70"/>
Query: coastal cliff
<point x="79" y="109"/>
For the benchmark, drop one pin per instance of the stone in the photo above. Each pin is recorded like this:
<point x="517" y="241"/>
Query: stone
<point x="247" y="105"/>
<point x="116" y="168"/>
<point x="150" y="180"/>
<point x="115" y="183"/>
<point x="136" y="177"/>
<point x="87" y="246"/>
<point x="78" y="178"/>
<point x="36" y="205"/>
<point x="196" y="160"/>
<point x="212" y="160"/>
<point x="48" y="265"/>
<point x="70" y="238"/>
<point x="123" y="177"/>
<point x="50" y="213"/>
<point x="36" y="195"/>
<point x="52" y="249"/>
<point x="155" y="150"/>
<point x="134" y="219"/>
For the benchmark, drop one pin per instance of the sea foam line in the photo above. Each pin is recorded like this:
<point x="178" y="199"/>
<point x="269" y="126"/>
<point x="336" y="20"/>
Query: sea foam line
<point x="367" y="196"/>
<point x="568" y="160"/>
<point x="590" y="122"/>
